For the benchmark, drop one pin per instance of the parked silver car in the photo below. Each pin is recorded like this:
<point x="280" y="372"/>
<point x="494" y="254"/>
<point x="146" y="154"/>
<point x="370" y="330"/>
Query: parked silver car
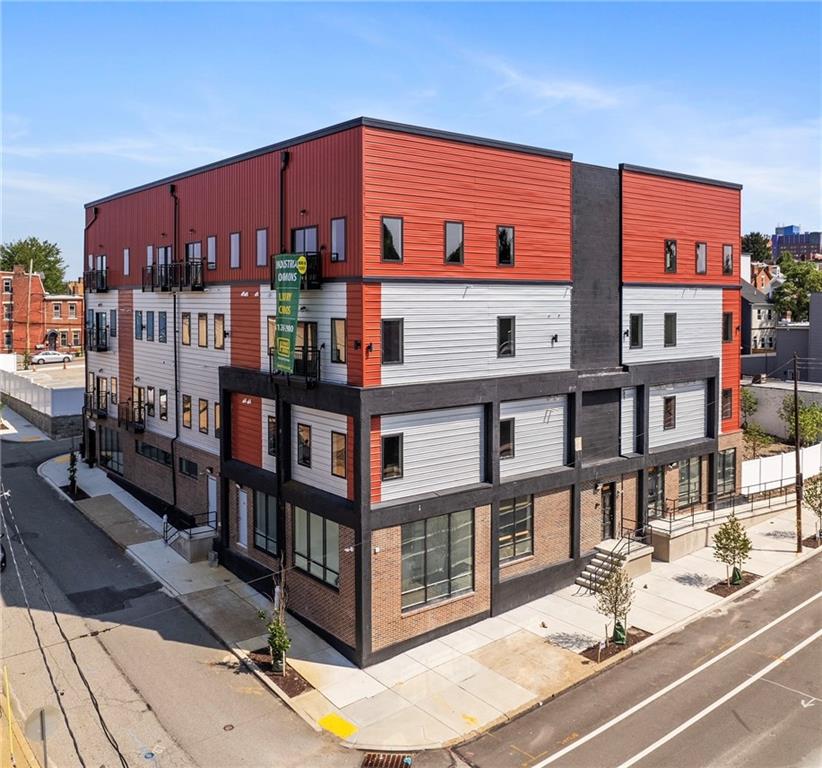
<point x="50" y="356"/>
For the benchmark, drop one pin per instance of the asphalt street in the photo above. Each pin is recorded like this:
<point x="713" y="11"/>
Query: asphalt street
<point x="737" y="688"/>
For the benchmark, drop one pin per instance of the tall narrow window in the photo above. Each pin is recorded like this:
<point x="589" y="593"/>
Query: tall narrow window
<point x="727" y="326"/>
<point x="202" y="329"/>
<point x="203" y="416"/>
<point x="56" y="312"/>
<point x="453" y="242"/>
<point x="391" y="457"/>
<point x="505" y="246"/>
<point x="338" y="454"/>
<point x="194" y="251"/>
<point x="211" y="252"/>
<point x="186" y="320"/>
<point x="162" y="327"/>
<point x="150" y="325"/>
<point x="690" y="481"/>
<point x="272" y="333"/>
<point x="506" y="338"/>
<point x="114" y="390"/>
<point x="727" y="259"/>
<point x="391" y="238"/>
<point x="701" y="258"/>
<point x="272" y="435"/>
<point x="727" y="403"/>
<point x="265" y="522"/>
<point x="126" y="261"/>
<point x="149" y="255"/>
<point x="726" y="472"/>
<point x="670" y="255"/>
<point x="669" y="413"/>
<point x="187" y="411"/>
<point x="317" y="546"/>
<point x="392" y="341"/>
<point x="635" y="332"/>
<point x="138" y="324"/>
<point x="262" y="247"/>
<point x="149" y="401"/>
<point x="670" y="329"/>
<point x="164" y="405"/>
<point x="337" y="340"/>
<point x="218" y="421"/>
<point x="112" y="322"/>
<point x="516" y="528"/>
<point x="506" y="439"/>
<point x="304" y="445"/>
<point x="219" y="331"/>
<point x="72" y="311"/>
<point x="338" y="239"/>
<point x="234" y="250"/>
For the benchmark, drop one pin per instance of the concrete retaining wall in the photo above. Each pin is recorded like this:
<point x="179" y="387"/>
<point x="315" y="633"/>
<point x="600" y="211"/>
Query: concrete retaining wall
<point x="54" y="426"/>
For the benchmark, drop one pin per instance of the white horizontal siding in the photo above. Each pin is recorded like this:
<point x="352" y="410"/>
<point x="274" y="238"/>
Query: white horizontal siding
<point x="691" y="420"/>
<point x="104" y="302"/>
<point x="698" y="322"/>
<point x="539" y="434"/>
<point x="441" y="449"/>
<point x="108" y="361"/>
<point x="627" y="417"/>
<point x="450" y="331"/>
<point x="269" y="408"/>
<point x="322" y="424"/>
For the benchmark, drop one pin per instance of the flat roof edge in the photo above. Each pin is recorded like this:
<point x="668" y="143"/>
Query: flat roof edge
<point x="678" y="176"/>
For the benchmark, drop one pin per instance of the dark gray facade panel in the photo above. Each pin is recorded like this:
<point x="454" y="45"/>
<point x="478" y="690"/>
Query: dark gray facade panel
<point x="512" y="593"/>
<point x="600" y="425"/>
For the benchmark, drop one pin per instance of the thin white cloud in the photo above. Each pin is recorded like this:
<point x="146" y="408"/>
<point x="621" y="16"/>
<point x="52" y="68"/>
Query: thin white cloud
<point x="64" y="190"/>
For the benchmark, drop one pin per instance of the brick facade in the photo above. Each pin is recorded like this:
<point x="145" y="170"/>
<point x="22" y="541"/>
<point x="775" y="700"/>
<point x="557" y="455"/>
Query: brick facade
<point x="734" y="440"/>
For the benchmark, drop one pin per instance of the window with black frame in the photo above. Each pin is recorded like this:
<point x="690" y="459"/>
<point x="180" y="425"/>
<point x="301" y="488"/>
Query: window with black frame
<point x="317" y="546"/>
<point x="391" y="238"/>
<point x="727" y="403"/>
<point x="727" y="259"/>
<point x="506" y="439"/>
<point x="726" y="472"/>
<point x="506" y="337"/>
<point x="265" y="523"/>
<point x="505" y="246"/>
<point x="690" y="481"/>
<point x="670" y="255"/>
<point x="272" y="435"/>
<point x="454" y="242"/>
<point x="337" y="340"/>
<point x="516" y="528"/>
<point x="304" y="445"/>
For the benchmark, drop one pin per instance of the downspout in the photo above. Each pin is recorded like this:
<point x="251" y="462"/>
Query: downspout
<point x="285" y="156"/>
<point x="173" y="191"/>
<point x="95" y="211"/>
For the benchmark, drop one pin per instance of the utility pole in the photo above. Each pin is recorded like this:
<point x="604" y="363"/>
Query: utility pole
<point x="796" y="450"/>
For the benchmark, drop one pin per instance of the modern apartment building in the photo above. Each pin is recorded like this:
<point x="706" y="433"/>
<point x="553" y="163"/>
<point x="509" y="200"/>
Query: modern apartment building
<point x="804" y="246"/>
<point x="503" y="358"/>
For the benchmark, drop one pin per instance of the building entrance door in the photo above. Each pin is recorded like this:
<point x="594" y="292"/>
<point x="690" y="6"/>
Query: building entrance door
<point x="608" y="511"/>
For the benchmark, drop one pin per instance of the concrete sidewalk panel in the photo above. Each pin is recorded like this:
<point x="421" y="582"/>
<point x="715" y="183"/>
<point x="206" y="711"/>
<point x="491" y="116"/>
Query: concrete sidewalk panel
<point x="497" y="691"/>
<point x="378" y="707"/>
<point x="408" y="729"/>
<point x="433" y="653"/>
<point x="459" y="710"/>
<point x="396" y="670"/>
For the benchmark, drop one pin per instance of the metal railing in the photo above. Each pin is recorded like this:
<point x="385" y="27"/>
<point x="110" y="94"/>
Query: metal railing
<point x="313" y="277"/>
<point x="174" y="276"/>
<point x="95" y="280"/>
<point x="306" y="364"/>
<point x="96" y="404"/>
<point x="175" y="521"/>
<point x="131" y="416"/>
<point x="97" y="338"/>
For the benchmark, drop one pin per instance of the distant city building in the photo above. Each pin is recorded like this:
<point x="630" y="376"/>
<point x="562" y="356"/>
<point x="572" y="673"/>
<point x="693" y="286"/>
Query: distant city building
<point x="759" y="320"/>
<point x="804" y="339"/>
<point x="803" y="245"/>
<point x="766" y="278"/>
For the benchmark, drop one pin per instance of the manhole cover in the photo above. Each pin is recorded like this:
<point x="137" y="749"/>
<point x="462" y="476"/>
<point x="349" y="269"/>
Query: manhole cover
<point x="386" y="760"/>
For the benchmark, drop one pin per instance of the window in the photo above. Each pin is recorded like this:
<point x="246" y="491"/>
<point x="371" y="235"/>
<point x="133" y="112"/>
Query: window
<point x="150" y="401"/>
<point x="727" y="403"/>
<point x="727" y="326"/>
<point x="506" y="327"/>
<point x="304" y="445"/>
<point x="56" y="312"/>
<point x="506" y="439"/>
<point x="7" y="340"/>
<point x="194" y="251"/>
<point x="758" y="314"/>
<point x="219" y="331"/>
<point x="391" y="238"/>
<point x="114" y="390"/>
<point x="149" y="255"/>
<point x="670" y="255"/>
<point x="7" y="285"/>
<point x="265" y="522"/>
<point x="188" y="467"/>
<point x="317" y="546"/>
<point x="453" y="242"/>
<point x="670" y="329"/>
<point x="211" y="252"/>
<point x="63" y="338"/>
<point x="690" y="481"/>
<point x="150" y="326"/>
<point x="770" y="341"/>
<point x="162" y="329"/>
<point x="392" y="342"/>
<point x="8" y="311"/>
<point x="72" y="311"/>
<point x="152" y="452"/>
<point x="187" y="411"/>
<point x="75" y="338"/>
<point x="726" y="472"/>
<point x="126" y="261"/>
<point x="437" y="558"/>
<point x="164" y="254"/>
<point x="516" y="528"/>
<point x="669" y="413"/>
<point x="337" y="239"/>
<point x="304" y="240"/>
<point x="203" y="416"/>
<point x="202" y="329"/>
<point x="635" y="332"/>
<point x="262" y="247"/>
<point x="234" y="250"/>
<point x="505" y="246"/>
<point x="111" y="455"/>
<point x="337" y="340"/>
<point x="272" y="333"/>
<point x="727" y="259"/>
<point x="112" y="322"/>
<point x="272" y="435"/>
<point x="187" y="328"/>
<point x="391" y="457"/>
<point x="701" y="258"/>
<point x="218" y="425"/>
<point x="338" y="454"/>
<point x="138" y="324"/>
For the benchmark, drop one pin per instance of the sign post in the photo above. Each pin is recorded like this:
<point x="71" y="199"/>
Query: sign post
<point x="289" y="269"/>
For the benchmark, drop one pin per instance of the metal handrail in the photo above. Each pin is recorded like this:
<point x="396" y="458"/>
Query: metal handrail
<point x="173" y="276"/>
<point x="306" y="363"/>
<point x="95" y="280"/>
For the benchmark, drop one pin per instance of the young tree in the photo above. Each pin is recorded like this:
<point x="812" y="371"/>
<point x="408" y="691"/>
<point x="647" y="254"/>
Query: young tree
<point x="732" y="546"/>
<point x="614" y="600"/>
<point x="748" y="404"/>
<point x="810" y="420"/>
<point x="758" y="245"/>
<point x="45" y="256"/>
<point x="72" y="473"/>
<point x="802" y="278"/>
<point x="812" y="496"/>
<point x="755" y="437"/>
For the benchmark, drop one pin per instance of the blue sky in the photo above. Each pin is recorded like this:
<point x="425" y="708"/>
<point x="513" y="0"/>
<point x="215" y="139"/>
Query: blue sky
<point x="100" y="97"/>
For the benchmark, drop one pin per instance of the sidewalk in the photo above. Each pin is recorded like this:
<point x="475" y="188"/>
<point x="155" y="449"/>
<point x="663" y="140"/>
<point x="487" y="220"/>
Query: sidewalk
<point x="18" y="430"/>
<point x="446" y="690"/>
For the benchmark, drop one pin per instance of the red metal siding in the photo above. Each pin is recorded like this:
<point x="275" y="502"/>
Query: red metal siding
<point x="246" y="429"/>
<point x="731" y="359"/>
<point x="657" y="208"/>
<point x="244" y="327"/>
<point x="427" y="181"/>
<point x="364" y="325"/>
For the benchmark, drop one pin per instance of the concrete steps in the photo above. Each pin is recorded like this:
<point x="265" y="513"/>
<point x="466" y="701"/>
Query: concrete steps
<point x="610" y="555"/>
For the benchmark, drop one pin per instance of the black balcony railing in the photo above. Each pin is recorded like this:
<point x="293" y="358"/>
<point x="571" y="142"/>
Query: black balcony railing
<point x="95" y="280"/>
<point x="96" y="404"/>
<point x="97" y="338"/>
<point x="313" y="277"/>
<point x="176" y="276"/>
<point x="306" y="365"/>
<point x="132" y="416"/>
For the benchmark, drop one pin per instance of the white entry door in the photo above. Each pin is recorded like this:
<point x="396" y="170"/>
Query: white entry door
<point x="212" y="501"/>
<point x="242" y="520"/>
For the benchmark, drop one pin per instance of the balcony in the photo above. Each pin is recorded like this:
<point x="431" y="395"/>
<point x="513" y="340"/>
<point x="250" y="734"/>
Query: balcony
<point x="95" y="280"/>
<point x="177" y="276"/>
<point x="131" y="416"/>
<point x="306" y="366"/>
<point x="97" y="338"/>
<point x="96" y="404"/>
<point x="313" y="277"/>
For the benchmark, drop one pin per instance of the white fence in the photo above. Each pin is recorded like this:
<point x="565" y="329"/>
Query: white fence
<point x="63" y="401"/>
<point x="779" y="471"/>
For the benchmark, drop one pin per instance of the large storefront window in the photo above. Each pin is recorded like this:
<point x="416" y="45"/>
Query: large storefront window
<point x="516" y="528"/>
<point x="437" y="558"/>
<point x="726" y="472"/>
<point x="265" y="522"/>
<point x="690" y="481"/>
<point x="317" y="546"/>
<point x="111" y="456"/>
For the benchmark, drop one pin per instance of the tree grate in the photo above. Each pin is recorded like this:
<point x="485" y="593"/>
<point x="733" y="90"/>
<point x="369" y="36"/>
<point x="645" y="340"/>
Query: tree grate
<point x="386" y="760"/>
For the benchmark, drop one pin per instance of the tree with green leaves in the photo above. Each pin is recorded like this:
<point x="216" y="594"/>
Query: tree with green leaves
<point x="755" y="437"/>
<point x="732" y="546"/>
<point x="614" y="600"/>
<point x="812" y="496"/>
<point x="758" y="245"/>
<point x="748" y="404"/>
<point x="802" y="278"/>
<point x="45" y="257"/>
<point x="810" y="420"/>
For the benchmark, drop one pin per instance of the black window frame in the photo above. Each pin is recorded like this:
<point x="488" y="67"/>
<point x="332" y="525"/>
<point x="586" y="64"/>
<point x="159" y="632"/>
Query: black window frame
<point x="188" y="467"/>
<point x="513" y="249"/>
<point x="631" y="339"/>
<point x="218" y="419"/>
<point x="335" y="255"/>
<point x="152" y="452"/>
<point x="338" y="351"/>
<point x="726" y="472"/>
<point x="727" y="327"/>
<point x="328" y="576"/>
<point x="692" y="482"/>
<point x="211" y="240"/>
<point x="295" y="232"/>
<point x="150" y="325"/>
<point x="185" y="329"/>
<point x="446" y="254"/>
<point x="186" y="414"/>
<point x="669" y="255"/>
<point x="257" y="261"/>
<point x="519" y="551"/>
<point x="219" y="330"/>
<point x="263" y="538"/>
<point x="138" y="324"/>
<point x="668" y="420"/>
<point x="303" y="446"/>
<point x="726" y="403"/>
<point x="725" y="270"/>
<point x="512" y="452"/>
<point x="112" y="322"/>
<point x="383" y="229"/>
<point x="202" y="323"/>
<point x="162" y="401"/>
<point x="398" y="436"/>
<point x="665" y="339"/>
<point x="401" y="345"/>
<point x="697" y="270"/>
<point x="344" y="437"/>
<point x="271" y="436"/>
<point x="150" y="393"/>
<point x="513" y="336"/>
<point x="239" y="263"/>
<point x="162" y="327"/>
<point x="200" y="412"/>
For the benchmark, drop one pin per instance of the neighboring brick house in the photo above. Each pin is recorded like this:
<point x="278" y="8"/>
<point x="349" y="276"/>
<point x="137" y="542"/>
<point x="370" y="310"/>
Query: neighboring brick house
<point x="759" y="321"/>
<point x="34" y="320"/>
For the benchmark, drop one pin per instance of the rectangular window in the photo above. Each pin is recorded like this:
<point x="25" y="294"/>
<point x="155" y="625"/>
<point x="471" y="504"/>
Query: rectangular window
<point x="337" y="239"/>
<point x="304" y="240"/>
<point x="506" y="341"/>
<point x="149" y="255"/>
<point x="701" y="258"/>
<point x="203" y="416"/>
<point x="669" y="413"/>
<point x="188" y="467"/>
<point x="162" y="327"/>
<point x="8" y="311"/>
<point x="506" y="439"/>
<point x="194" y="252"/>
<point x="153" y="452"/>
<point x="114" y="390"/>
<point x="126" y="261"/>
<point x="211" y="252"/>
<point x="265" y="523"/>
<point x="7" y="285"/>
<point x="150" y="325"/>
<point x="7" y="340"/>
<point x="262" y="247"/>
<point x="272" y="435"/>
<point x="219" y="331"/>
<point x="391" y="457"/>
<point x="391" y="238"/>
<point x="726" y="472"/>
<point x="111" y="455"/>
<point x="112" y="322"/>
<point x="272" y="333"/>
<point x="690" y="481"/>
<point x="727" y="403"/>
<point x="138" y="324"/>
<point x="338" y="454"/>
<point x="187" y="411"/>
<point x="727" y="326"/>
<point x="150" y="401"/>
<point x="727" y="259"/>
<point x="635" y="332"/>
<point x="670" y="255"/>
<point x="72" y="311"/>
<point x="437" y="558"/>
<point x="218" y="424"/>
<point x="56" y="311"/>
<point x="164" y="405"/>
<point x="453" y="242"/>
<point x="670" y="329"/>
<point x="202" y="329"/>
<point x="234" y="250"/>
<point x="337" y="340"/>
<point x="505" y="246"/>
<point x="186" y="328"/>
<point x="75" y="338"/>
<point x="317" y="546"/>
<point x="516" y="528"/>
<point x="392" y="341"/>
<point x="304" y="445"/>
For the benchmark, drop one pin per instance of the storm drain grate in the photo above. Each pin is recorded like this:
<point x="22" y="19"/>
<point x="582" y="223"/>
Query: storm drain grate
<point x="386" y="760"/>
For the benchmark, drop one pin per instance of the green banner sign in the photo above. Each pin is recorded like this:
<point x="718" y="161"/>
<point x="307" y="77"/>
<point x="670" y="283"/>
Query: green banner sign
<point x="290" y="268"/>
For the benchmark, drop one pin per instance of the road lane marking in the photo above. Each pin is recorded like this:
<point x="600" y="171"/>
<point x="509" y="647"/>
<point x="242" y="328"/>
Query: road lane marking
<point x="720" y="701"/>
<point x="803" y="694"/>
<point x="675" y="684"/>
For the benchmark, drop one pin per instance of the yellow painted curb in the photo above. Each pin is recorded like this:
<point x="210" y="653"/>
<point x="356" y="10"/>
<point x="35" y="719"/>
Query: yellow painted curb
<point x="337" y="725"/>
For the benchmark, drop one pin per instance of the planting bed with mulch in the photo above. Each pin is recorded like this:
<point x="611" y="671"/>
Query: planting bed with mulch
<point x="612" y="649"/>
<point x="290" y="681"/>
<point x="723" y="589"/>
<point x="811" y="542"/>
<point x="78" y="495"/>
